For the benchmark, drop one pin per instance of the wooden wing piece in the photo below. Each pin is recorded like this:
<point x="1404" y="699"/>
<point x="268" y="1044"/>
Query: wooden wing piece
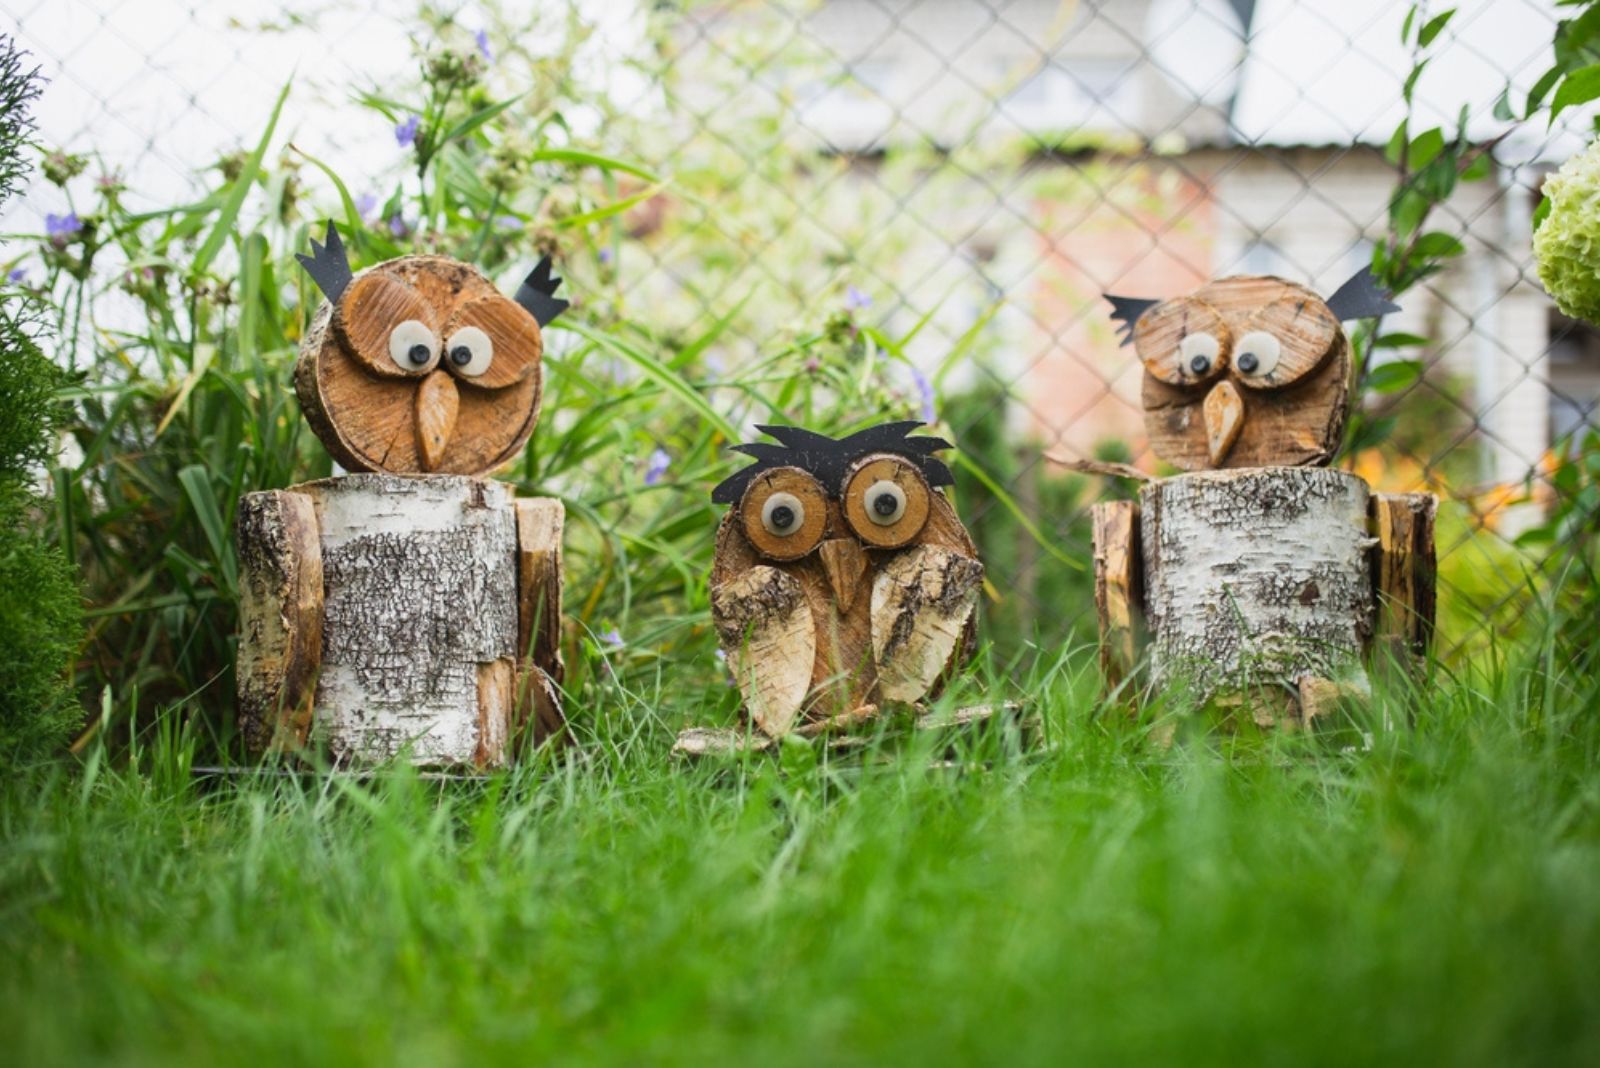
<point x="770" y="640"/>
<point x="921" y="602"/>
<point x="280" y="617"/>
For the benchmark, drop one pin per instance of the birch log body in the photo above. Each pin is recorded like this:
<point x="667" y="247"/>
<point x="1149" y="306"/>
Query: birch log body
<point x="419" y="635"/>
<point x="1256" y="576"/>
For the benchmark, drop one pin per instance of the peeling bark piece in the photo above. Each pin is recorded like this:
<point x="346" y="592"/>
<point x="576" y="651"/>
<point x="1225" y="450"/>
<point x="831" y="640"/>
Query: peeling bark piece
<point x="1116" y="585"/>
<point x="1255" y="578"/>
<point x="1405" y="570"/>
<point x="921" y="602"/>
<point x="420" y="609"/>
<point x="770" y="641"/>
<point x="540" y="526"/>
<point x="280" y="617"/>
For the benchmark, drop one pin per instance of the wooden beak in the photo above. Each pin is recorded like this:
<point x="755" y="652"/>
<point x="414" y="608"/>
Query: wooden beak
<point x="1224" y="412"/>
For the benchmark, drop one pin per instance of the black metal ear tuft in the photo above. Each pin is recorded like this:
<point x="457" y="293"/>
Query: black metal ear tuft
<point x="537" y="294"/>
<point x="1360" y="298"/>
<point x="827" y="459"/>
<point x="1125" y="312"/>
<point x="327" y="265"/>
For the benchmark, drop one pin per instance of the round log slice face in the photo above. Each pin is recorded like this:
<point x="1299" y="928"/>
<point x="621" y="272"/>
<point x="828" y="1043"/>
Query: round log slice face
<point x="364" y="363"/>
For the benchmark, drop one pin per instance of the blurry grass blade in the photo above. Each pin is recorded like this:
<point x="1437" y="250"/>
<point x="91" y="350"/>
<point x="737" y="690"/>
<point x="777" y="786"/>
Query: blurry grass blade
<point x="352" y="215"/>
<point x="592" y="159"/>
<point x="196" y="482"/>
<point x="1010" y="505"/>
<point x="477" y="119"/>
<point x="228" y="217"/>
<point x="204" y="353"/>
<point x="614" y="208"/>
<point x="657" y="372"/>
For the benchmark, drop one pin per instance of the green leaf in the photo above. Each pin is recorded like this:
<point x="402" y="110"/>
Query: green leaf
<point x="476" y="119"/>
<point x="1502" y="105"/>
<point x="614" y="208"/>
<point x="1397" y="144"/>
<point x="1579" y="87"/>
<point x="197" y="487"/>
<point x="1425" y="148"/>
<point x="1411" y="80"/>
<point x="1398" y="340"/>
<point x="1541" y="213"/>
<point x="1438" y="244"/>
<point x="1536" y="95"/>
<point x="1478" y="169"/>
<point x="229" y="215"/>
<point x="1394" y="376"/>
<point x="1405" y="27"/>
<point x="1433" y="27"/>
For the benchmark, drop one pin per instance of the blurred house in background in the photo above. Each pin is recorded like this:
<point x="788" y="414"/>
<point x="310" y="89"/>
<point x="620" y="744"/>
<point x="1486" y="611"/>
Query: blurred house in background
<point x="1141" y="146"/>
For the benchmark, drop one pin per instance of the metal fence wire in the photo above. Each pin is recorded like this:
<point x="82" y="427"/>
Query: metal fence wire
<point x="975" y="173"/>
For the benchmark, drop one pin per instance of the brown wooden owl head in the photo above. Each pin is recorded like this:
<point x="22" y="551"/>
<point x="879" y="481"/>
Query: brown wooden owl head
<point x="875" y="487"/>
<point x="420" y="365"/>
<point x="1249" y="371"/>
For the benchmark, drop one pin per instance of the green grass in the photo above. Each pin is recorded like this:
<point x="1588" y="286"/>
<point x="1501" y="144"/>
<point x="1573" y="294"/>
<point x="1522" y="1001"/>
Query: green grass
<point x="1227" y="900"/>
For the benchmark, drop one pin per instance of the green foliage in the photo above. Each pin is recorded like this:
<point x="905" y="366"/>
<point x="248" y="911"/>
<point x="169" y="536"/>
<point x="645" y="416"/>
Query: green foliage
<point x="40" y="614"/>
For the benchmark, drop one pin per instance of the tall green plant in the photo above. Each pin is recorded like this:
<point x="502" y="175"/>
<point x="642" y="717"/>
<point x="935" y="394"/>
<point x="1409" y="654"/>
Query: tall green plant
<point x="40" y="614"/>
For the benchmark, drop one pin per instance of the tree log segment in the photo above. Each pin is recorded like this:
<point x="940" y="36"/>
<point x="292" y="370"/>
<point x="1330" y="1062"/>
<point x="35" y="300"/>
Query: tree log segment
<point x="420" y="625"/>
<point x="1256" y="577"/>
<point x="1116" y="585"/>
<point x="1404" y="570"/>
<point x="540" y="525"/>
<point x="280" y="617"/>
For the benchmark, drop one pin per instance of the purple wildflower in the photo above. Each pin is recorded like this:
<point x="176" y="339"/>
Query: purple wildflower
<point x="17" y="275"/>
<point x="605" y="255"/>
<point x="656" y="469"/>
<point x="856" y="300"/>
<point x="482" y="37"/>
<point x="366" y="204"/>
<point x="398" y="225"/>
<point x="405" y="133"/>
<point x="62" y="225"/>
<point x="612" y="638"/>
<point x="507" y="222"/>
<point x="925" y="391"/>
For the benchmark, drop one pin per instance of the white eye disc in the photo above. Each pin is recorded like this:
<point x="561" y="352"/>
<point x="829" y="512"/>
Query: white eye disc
<point x="783" y="515"/>
<point x="469" y="351"/>
<point x="1257" y="353"/>
<point x="412" y="346"/>
<point x="885" y="503"/>
<point x="1197" y="353"/>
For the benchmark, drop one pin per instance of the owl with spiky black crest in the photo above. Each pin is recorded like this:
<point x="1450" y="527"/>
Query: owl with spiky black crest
<point x="842" y="578"/>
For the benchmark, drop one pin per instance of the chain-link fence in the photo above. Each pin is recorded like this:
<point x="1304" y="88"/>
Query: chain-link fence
<point x="968" y="176"/>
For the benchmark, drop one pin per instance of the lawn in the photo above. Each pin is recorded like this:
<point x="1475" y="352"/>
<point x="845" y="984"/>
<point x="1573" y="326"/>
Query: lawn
<point x="1230" y="898"/>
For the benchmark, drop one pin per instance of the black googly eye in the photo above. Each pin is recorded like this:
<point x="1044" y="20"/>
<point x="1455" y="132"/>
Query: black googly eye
<point x="1199" y="365"/>
<point x="1248" y="363"/>
<point x="461" y="355"/>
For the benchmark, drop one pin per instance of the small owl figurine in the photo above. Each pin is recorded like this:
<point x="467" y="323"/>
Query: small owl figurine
<point x="842" y="576"/>
<point x="1246" y="371"/>
<point x="410" y="607"/>
<point x="421" y="365"/>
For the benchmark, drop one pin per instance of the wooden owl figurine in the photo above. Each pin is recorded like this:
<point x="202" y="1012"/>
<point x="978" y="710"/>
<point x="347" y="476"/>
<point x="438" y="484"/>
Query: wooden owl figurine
<point x="1248" y="371"/>
<point x="1259" y="571"/>
<point x="842" y="576"/>
<point x="410" y="607"/>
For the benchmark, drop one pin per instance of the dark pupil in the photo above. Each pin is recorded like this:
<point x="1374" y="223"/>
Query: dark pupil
<point x="1199" y="365"/>
<point x="783" y="517"/>
<point x="885" y="504"/>
<point x="1248" y="362"/>
<point x="461" y="355"/>
<point x="418" y="354"/>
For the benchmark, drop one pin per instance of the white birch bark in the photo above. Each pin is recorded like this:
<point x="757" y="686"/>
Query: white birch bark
<point x="1256" y="576"/>
<point x="419" y="639"/>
